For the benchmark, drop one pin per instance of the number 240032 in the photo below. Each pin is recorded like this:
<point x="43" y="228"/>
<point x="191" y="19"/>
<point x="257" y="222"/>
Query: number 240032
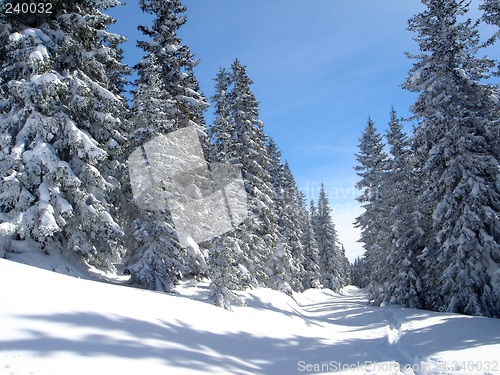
<point x="28" y="8"/>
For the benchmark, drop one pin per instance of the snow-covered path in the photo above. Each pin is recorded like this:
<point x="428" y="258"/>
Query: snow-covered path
<point x="54" y="324"/>
<point x="394" y="340"/>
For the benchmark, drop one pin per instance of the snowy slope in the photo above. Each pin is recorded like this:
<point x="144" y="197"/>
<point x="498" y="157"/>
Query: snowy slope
<point x="55" y="324"/>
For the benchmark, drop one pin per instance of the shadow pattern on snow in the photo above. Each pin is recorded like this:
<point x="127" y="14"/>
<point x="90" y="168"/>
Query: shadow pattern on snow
<point x="182" y="346"/>
<point x="178" y="345"/>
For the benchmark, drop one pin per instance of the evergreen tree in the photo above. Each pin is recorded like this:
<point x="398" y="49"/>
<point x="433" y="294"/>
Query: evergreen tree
<point x="275" y="170"/>
<point x="359" y="273"/>
<point x="312" y="271"/>
<point x="237" y="137"/>
<point x="224" y="273"/>
<point x="166" y="99"/>
<point x="456" y="142"/>
<point x="298" y="215"/>
<point x="332" y="270"/>
<point x="346" y="266"/>
<point x="291" y="216"/>
<point x="491" y="9"/>
<point x="222" y="148"/>
<point x="173" y="62"/>
<point x="491" y="15"/>
<point x="258" y="237"/>
<point x="291" y="220"/>
<point x="371" y="168"/>
<point x="406" y="230"/>
<point x="62" y="126"/>
<point x="281" y="261"/>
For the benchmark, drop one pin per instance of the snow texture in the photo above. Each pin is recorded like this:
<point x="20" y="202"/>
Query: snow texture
<point x="39" y="79"/>
<point x="59" y="322"/>
<point x="40" y="53"/>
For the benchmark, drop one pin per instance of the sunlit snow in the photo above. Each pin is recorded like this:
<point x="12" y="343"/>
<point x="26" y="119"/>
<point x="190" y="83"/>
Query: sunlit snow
<point x="56" y="324"/>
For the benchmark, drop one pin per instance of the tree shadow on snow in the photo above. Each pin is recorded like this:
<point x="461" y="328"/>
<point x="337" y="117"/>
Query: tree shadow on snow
<point x="179" y="345"/>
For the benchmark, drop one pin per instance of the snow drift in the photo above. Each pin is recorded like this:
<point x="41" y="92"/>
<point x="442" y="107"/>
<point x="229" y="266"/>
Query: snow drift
<point x="57" y="324"/>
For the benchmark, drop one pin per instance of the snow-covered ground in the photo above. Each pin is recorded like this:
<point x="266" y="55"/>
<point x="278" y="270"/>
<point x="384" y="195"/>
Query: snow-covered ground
<point x="56" y="324"/>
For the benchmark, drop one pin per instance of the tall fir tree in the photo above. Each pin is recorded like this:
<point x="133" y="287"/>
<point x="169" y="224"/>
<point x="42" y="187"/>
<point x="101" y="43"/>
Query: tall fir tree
<point x="346" y="266"/>
<point x="166" y="99"/>
<point x="259" y="235"/>
<point x="238" y="138"/>
<point x="359" y="273"/>
<point x="457" y="146"/>
<point x="225" y="254"/>
<point x="405" y="224"/>
<point x="372" y="163"/>
<point x="312" y="271"/>
<point x="221" y="131"/>
<point x="491" y="16"/>
<point x="491" y="9"/>
<point x="62" y="128"/>
<point x="332" y="261"/>
<point x="281" y="261"/>
<point x="224" y="273"/>
<point x="294" y="233"/>
<point x="290" y="215"/>
<point x="173" y="62"/>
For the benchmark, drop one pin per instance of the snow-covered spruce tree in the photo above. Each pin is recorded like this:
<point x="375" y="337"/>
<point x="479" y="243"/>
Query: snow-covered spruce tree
<point x="332" y="268"/>
<point x="372" y="162"/>
<point x="298" y="215"/>
<point x="223" y="271"/>
<point x="281" y="261"/>
<point x="221" y="131"/>
<point x="244" y="143"/>
<point x="166" y="99"/>
<point x="491" y="15"/>
<point x="225" y="253"/>
<point x="359" y="274"/>
<point x="491" y="9"/>
<point x="293" y="217"/>
<point x="312" y="271"/>
<point x="62" y="128"/>
<point x="458" y="113"/>
<point x="290" y="215"/>
<point x="406" y="230"/>
<point x="175" y="61"/>
<point x="259" y="235"/>
<point x="346" y="266"/>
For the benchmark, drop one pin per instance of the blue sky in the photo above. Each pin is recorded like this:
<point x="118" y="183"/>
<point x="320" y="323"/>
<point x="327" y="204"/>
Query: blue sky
<point x="320" y="68"/>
